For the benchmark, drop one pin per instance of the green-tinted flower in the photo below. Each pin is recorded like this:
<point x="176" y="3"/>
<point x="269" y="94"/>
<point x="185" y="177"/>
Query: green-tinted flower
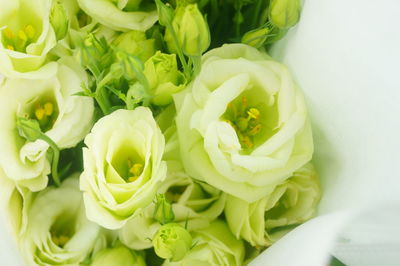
<point x="284" y="13"/>
<point x="164" y="78"/>
<point x="256" y="38"/>
<point x="121" y="15"/>
<point x="58" y="232"/>
<point x="172" y="242"/>
<point x="191" y="29"/>
<point x="64" y="118"/>
<point x="26" y="37"/>
<point x="123" y="166"/>
<point x="242" y="124"/>
<point x="263" y="222"/>
<point x="119" y="255"/>
<point x="163" y="211"/>
<point x="136" y="43"/>
<point x="59" y="19"/>
<point x="194" y="204"/>
<point x="214" y="245"/>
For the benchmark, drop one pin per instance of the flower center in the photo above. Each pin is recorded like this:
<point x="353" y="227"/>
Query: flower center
<point x="135" y="170"/>
<point x="45" y="114"/>
<point x="245" y="120"/>
<point x="20" y="40"/>
<point x="60" y="240"/>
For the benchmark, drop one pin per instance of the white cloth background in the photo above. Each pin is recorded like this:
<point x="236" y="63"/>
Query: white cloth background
<point x="345" y="55"/>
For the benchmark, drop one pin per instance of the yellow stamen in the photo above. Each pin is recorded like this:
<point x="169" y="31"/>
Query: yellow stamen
<point x="30" y="31"/>
<point x="10" y="47"/>
<point x="255" y="130"/>
<point x="22" y="36"/>
<point x="254" y="113"/>
<point x="39" y="113"/>
<point x="63" y="240"/>
<point x="48" y="108"/>
<point x="136" y="169"/>
<point x="8" y="33"/>
<point x="247" y="142"/>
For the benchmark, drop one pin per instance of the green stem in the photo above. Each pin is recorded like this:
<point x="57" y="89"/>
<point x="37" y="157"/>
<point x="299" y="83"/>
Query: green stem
<point x="186" y="69"/>
<point x="102" y="100"/>
<point x="56" y="157"/>
<point x="196" y="65"/>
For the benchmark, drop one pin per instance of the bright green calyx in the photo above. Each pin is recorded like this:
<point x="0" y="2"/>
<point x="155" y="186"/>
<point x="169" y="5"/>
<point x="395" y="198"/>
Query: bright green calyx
<point x="59" y="20"/>
<point x="164" y="78"/>
<point x="256" y="38"/>
<point x="31" y="131"/>
<point x="284" y="13"/>
<point x="29" y="128"/>
<point x="163" y="211"/>
<point x="19" y="40"/>
<point x="245" y="120"/>
<point x="172" y="242"/>
<point x="191" y="30"/>
<point x="136" y="43"/>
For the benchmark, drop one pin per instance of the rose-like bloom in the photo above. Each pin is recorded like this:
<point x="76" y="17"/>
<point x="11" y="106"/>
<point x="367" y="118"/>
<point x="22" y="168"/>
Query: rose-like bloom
<point x="191" y="29"/>
<point x="121" y="15"/>
<point x="263" y="222"/>
<point x="284" y="13"/>
<point x="64" y="118"/>
<point x="194" y="204"/>
<point x="172" y="242"/>
<point x="26" y="37"/>
<point x="242" y="124"/>
<point x="119" y="255"/>
<point x="164" y="77"/>
<point x="123" y="166"/>
<point x="214" y="245"/>
<point x="58" y="232"/>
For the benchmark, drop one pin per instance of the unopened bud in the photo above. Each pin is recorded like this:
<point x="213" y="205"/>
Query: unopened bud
<point x="59" y="20"/>
<point x="284" y="13"/>
<point x="163" y="211"/>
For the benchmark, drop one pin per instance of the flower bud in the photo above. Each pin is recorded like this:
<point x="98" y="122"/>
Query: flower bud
<point x="119" y="255"/>
<point x="165" y="13"/>
<point x="163" y="211"/>
<point x="256" y="38"/>
<point x="172" y="242"/>
<point x="136" y="43"/>
<point x="164" y="78"/>
<point x="29" y="128"/>
<point x="191" y="29"/>
<point x="284" y="13"/>
<point x="59" y="20"/>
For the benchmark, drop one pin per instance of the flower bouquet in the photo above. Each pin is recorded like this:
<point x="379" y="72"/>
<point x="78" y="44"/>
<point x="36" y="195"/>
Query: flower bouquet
<point x="151" y="132"/>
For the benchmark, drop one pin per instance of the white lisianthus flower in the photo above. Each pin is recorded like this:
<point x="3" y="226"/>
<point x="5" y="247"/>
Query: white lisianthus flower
<point x="26" y="37"/>
<point x="214" y="245"/>
<point x="123" y="166"/>
<point x="64" y="118"/>
<point x="263" y="222"/>
<point x="242" y="123"/>
<point x="121" y="15"/>
<point x="58" y="232"/>
<point x="118" y="255"/>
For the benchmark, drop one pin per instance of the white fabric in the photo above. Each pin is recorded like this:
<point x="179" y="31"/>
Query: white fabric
<point x="345" y="55"/>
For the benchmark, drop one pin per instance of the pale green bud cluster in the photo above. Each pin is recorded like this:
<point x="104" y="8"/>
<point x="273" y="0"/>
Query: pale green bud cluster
<point x="172" y="242"/>
<point x="135" y="43"/>
<point x="191" y="30"/>
<point x="59" y="20"/>
<point x="164" y="77"/>
<point x="163" y="211"/>
<point x="284" y="13"/>
<point x="119" y="255"/>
